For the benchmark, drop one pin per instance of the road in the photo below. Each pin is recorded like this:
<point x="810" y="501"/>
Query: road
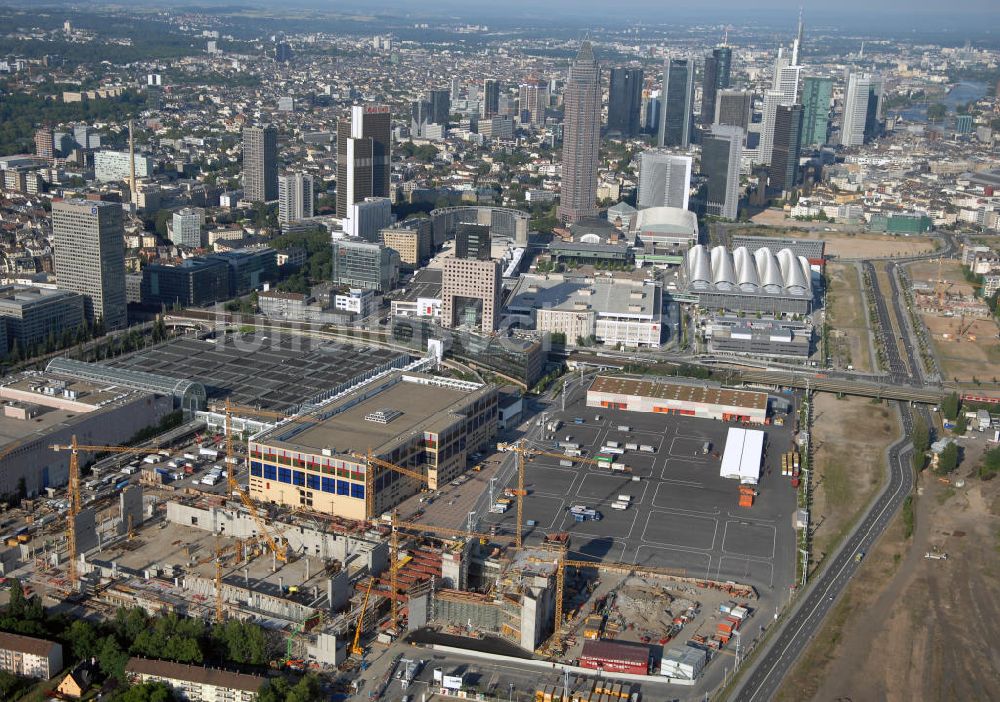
<point x="764" y="677"/>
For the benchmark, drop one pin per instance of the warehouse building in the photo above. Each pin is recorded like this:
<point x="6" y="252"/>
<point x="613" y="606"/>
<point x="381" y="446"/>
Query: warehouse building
<point x="743" y="282"/>
<point x="765" y="338"/>
<point x="615" y="657"/>
<point x="423" y="423"/>
<point x="633" y="395"/>
<point x="743" y="455"/>
<point x="814" y="250"/>
<point x="45" y="408"/>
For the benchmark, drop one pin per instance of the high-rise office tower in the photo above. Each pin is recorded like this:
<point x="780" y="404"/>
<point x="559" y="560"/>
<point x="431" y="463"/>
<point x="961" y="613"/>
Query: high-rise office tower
<point x="718" y="73"/>
<point x="732" y="107"/>
<point x="456" y="88"/>
<point x="471" y="292"/>
<point x="473" y="241"/>
<point x="282" y="52"/>
<point x="651" y="114"/>
<point x="90" y="257"/>
<point x="721" y="150"/>
<point x="664" y="180"/>
<point x="581" y="137"/>
<point x="625" y="101"/>
<point x="783" y="169"/>
<point x="862" y="105"/>
<point x="785" y="91"/>
<point x="816" y="94"/>
<point x="490" y="105"/>
<point x="45" y="144"/>
<point x="295" y="197"/>
<point x="534" y="99"/>
<point x="420" y="117"/>
<point x="677" y="99"/>
<point x="363" y="143"/>
<point x="440" y="101"/>
<point x="260" y="163"/>
<point x="797" y="44"/>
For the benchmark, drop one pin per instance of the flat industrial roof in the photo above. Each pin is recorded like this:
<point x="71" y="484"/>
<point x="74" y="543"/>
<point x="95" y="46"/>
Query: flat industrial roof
<point x="278" y="372"/>
<point x="742" y="456"/>
<point x="421" y="407"/>
<point x="682" y="393"/>
<point x="569" y="295"/>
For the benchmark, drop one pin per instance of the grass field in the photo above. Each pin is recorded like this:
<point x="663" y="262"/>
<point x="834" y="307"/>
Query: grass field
<point x="845" y="313"/>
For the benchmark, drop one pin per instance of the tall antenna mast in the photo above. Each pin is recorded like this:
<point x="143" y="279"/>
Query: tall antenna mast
<point x="131" y="164"/>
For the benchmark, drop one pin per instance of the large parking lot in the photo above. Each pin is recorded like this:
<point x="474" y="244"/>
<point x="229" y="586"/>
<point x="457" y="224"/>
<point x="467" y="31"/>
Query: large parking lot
<point x="682" y="513"/>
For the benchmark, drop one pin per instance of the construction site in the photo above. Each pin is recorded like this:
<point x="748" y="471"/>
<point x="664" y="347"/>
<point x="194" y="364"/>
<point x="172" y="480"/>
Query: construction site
<point x="302" y="524"/>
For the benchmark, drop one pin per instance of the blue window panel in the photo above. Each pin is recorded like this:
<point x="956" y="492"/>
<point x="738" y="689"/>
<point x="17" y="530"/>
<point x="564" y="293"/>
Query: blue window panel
<point x="284" y="475"/>
<point x="343" y="487"/>
<point x="312" y="481"/>
<point x="298" y="478"/>
<point x="358" y="491"/>
<point x="270" y="472"/>
<point x="329" y="485"/>
<point x="256" y="470"/>
<point x="255" y="464"/>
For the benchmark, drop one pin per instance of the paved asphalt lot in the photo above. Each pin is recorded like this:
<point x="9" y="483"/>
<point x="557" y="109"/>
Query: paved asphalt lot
<point x="764" y="677"/>
<point x="683" y="515"/>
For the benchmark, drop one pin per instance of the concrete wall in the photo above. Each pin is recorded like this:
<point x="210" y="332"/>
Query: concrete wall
<point x="86" y="530"/>
<point x="249" y="598"/>
<point x="301" y="539"/>
<point x="130" y="505"/>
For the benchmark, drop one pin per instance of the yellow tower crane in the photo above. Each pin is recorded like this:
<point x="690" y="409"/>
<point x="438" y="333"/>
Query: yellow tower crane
<point x="74" y="491"/>
<point x="525" y="453"/>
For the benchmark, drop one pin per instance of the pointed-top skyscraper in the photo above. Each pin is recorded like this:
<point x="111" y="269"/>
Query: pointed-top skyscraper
<point x="581" y="138"/>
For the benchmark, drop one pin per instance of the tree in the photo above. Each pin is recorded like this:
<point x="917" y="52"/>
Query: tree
<point x="16" y="603"/>
<point x="950" y="406"/>
<point x="948" y="460"/>
<point x="921" y="436"/>
<point x="274" y="690"/>
<point x="82" y="639"/>
<point x="111" y="658"/>
<point x="936" y="112"/>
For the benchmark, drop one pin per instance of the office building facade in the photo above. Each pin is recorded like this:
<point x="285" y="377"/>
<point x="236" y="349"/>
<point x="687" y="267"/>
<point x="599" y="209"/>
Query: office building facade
<point x="664" y="180"/>
<point x="718" y="72"/>
<point x="490" y="104"/>
<point x="90" y="257"/>
<point x="473" y="241"/>
<point x="260" y="163"/>
<point x="624" y="101"/>
<point x="581" y="138"/>
<point x="45" y="144"/>
<point x="363" y="264"/>
<point x="32" y="315"/>
<point x="366" y="218"/>
<point x="816" y="96"/>
<point x="363" y="150"/>
<point x="410" y="239"/>
<point x="783" y="169"/>
<point x="534" y="99"/>
<point x="295" y="197"/>
<point x="193" y="282"/>
<point x="721" y="151"/>
<point x="186" y="226"/>
<point x="862" y="109"/>
<point x="440" y="102"/>
<point x="111" y="166"/>
<point x="677" y="103"/>
<point x="470" y="294"/>
<point x="732" y="108"/>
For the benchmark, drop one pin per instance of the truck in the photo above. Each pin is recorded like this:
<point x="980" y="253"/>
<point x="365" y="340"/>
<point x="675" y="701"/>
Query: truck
<point x="577" y="420"/>
<point x="625" y="498"/>
<point x="582" y="513"/>
<point x="615" y="450"/>
<point x="566" y="463"/>
<point x="619" y="505"/>
<point x="211" y="453"/>
<point x="630" y="446"/>
<point x="624" y="427"/>
<point x="647" y="448"/>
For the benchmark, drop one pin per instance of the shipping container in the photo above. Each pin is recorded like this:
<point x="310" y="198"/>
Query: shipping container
<point x="613" y="450"/>
<point x="624" y="427"/>
<point x="632" y="446"/>
<point x="647" y="448"/>
<point x="625" y="498"/>
<point x="619" y="505"/>
<point x="566" y="463"/>
<point x="614" y="444"/>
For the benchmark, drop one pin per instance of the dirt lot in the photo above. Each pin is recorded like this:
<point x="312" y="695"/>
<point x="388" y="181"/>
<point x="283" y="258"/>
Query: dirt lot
<point x="965" y="359"/>
<point x="850" y="436"/>
<point x="914" y="628"/>
<point x="847" y="243"/>
<point x="951" y="271"/>
<point x="846" y="315"/>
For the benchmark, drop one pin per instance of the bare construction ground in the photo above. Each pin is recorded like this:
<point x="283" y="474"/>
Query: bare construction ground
<point x="850" y="436"/>
<point x="849" y="338"/>
<point x="911" y="627"/>
<point x="842" y="241"/>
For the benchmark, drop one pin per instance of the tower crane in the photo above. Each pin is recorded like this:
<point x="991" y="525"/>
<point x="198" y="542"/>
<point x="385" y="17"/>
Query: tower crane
<point x="74" y="490"/>
<point x="523" y="453"/>
<point x="356" y="645"/>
